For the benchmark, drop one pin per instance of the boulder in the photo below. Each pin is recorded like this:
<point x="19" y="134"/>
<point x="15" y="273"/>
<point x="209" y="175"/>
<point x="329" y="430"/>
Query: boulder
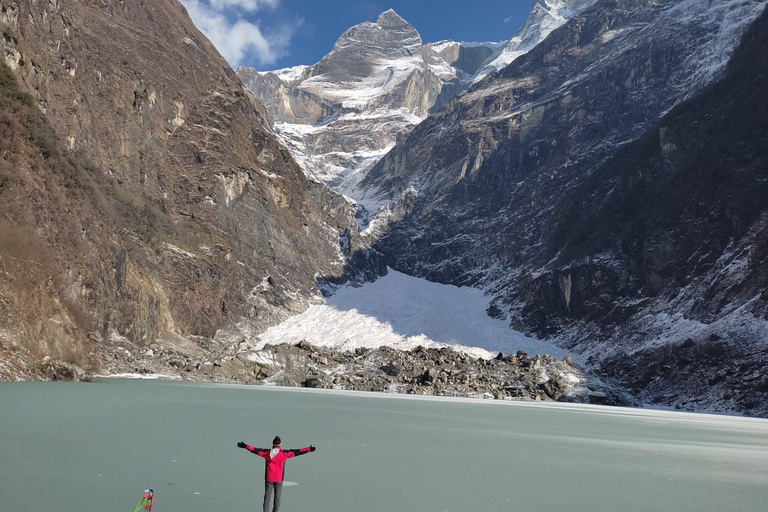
<point x="555" y="387"/>
<point x="289" y="380"/>
<point x="60" y="370"/>
<point x="314" y="382"/>
<point x="598" y="397"/>
<point x="305" y="345"/>
<point x="429" y="376"/>
<point x="395" y="368"/>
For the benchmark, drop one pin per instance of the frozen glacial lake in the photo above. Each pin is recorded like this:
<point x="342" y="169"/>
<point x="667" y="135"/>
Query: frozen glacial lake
<point x="95" y="447"/>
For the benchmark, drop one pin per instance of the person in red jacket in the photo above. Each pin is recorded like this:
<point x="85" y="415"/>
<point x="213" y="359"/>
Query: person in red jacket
<point x="275" y="470"/>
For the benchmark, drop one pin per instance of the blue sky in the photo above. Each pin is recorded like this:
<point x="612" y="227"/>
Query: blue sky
<point x="272" y="34"/>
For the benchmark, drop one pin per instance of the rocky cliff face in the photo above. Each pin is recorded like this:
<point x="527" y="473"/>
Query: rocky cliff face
<point x="148" y="198"/>
<point x="680" y="221"/>
<point x="478" y="190"/>
<point x="341" y="115"/>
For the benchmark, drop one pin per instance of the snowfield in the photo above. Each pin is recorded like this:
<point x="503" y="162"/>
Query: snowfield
<point x="404" y="312"/>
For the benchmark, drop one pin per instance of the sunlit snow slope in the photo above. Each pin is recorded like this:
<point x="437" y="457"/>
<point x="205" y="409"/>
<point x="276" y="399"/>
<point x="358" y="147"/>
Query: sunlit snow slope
<point x="403" y="312"/>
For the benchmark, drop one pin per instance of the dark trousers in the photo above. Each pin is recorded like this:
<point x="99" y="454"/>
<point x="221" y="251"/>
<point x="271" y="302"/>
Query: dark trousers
<point x="269" y="489"/>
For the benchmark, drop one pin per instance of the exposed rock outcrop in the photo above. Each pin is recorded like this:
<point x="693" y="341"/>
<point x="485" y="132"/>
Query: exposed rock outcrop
<point x="143" y="191"/>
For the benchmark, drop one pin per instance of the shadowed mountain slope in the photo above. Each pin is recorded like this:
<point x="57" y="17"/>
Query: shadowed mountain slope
<point x="677" y="223"/>
<point x="482" y="193"/>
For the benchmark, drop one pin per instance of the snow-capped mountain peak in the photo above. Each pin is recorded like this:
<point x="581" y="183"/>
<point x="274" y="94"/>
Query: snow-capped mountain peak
<point x="544" y="17"/>
<point x="390" y="37"/>
<point x="368" y="62"/>
<point x="389" y="19"/>
<point x="374" y="86"/>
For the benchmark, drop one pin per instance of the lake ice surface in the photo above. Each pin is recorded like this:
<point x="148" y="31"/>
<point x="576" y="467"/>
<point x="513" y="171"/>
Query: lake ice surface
<point x="97" y="446"/>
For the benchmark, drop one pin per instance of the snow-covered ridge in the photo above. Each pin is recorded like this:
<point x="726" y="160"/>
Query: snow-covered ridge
<point x="545" y="16"/>
<point x="439" y="46"/>
<point x="288" y="75"/>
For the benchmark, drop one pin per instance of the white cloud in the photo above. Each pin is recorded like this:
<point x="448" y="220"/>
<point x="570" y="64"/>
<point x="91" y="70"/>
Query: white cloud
<point x="239" y="38"/>
<point x="246" y="5"/>
<point x="507" y="20"/>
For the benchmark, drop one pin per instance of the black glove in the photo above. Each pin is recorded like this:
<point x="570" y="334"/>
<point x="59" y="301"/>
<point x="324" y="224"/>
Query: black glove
<point x="312" y="448"/>
<point x="241" y="444"/>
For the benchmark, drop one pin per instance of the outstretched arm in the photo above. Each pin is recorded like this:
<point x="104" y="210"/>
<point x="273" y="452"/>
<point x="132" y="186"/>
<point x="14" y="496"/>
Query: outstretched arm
<point x="261" y="452"/>
<point x="300" y="451"/>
